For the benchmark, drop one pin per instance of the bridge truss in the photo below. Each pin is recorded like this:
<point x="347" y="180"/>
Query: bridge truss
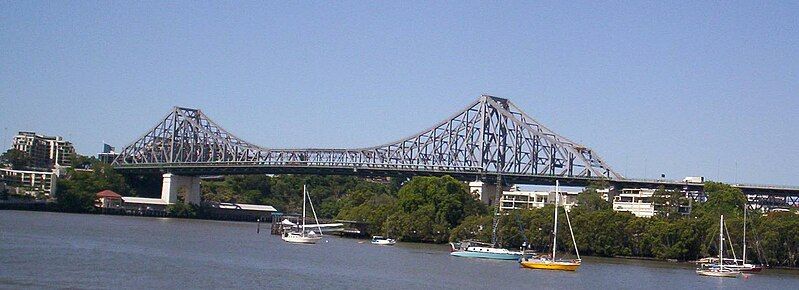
<point x="490" y="137"/>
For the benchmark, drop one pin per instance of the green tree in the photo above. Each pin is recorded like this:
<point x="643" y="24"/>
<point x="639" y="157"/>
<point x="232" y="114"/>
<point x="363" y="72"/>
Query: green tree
<point x="721" y="199"/>
<point x="72" y="198"/>
<point x="590" y="200"/>
<point x="83" y="162"/>
<point x="601" y="232"/>
<point x="16" y="158"/>
<point x="668" y="202"/>
<point x="476" y="227"/>
<point x="639" y="236"/>
<point x="428" y="208"/>
<point x="779" y="238"/>
<point x="76" y="192"/>
<point x="365" y="206"/>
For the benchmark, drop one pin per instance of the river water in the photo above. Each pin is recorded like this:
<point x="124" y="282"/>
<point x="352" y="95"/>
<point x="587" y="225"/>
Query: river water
<point x="57" y="250"/>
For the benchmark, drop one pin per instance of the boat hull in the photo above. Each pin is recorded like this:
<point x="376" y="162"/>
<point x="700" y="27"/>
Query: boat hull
<point x="751" y="270"/>
<point x="562" y="266"/>
<point x="724" y="274"/>
<point x="302" y="240"/>
<point x="479" y="255"/>
<point x="383" y="243"/>
<point x="745" y="268"/>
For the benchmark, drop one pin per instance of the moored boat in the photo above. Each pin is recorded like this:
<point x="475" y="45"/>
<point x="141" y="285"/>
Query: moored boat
<point x="549" y="264"/>
<point x="474" y="249"/>
<point x="718" y="269"/>
<point x="379" y="240"/>
<point x="736" y="264"/>
<point x="299" y="238"/>
<point x="718" y="272"/>
<point x="300" y="235"/>
<point x="733" y="263"/>
<point x="747" y="268"/>
<point x="552" y="263"/>
<point x="744" y="266"/>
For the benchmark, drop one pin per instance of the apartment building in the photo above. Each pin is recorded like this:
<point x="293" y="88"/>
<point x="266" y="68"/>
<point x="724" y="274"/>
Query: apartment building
<point x="46" y="152"/>
<point x="638" y="201"/>
<point x="519" y="199"/>
<point x="34" y="183"/>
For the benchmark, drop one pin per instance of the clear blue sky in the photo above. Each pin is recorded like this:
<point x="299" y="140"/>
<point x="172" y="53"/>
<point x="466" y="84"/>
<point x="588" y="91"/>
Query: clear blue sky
<point x="690" y="89"/>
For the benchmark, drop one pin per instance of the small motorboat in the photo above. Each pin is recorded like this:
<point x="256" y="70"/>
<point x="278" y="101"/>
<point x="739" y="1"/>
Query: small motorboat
<point x="380" y="240"/>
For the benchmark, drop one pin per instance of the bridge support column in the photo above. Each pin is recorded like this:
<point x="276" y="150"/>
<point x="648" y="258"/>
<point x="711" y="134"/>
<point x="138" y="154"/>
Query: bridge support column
<point x="177" y="185"/>
<point x="485" y="191"/>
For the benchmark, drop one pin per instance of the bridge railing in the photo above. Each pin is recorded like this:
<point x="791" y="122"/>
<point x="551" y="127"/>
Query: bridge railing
<point x="743" y="185"/>
<point x="766" y="186"/>
<point x="352" y="165"/>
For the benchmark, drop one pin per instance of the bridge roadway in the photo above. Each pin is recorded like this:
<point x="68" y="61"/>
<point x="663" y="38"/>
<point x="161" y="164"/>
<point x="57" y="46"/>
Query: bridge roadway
<point x="194" y="169"/>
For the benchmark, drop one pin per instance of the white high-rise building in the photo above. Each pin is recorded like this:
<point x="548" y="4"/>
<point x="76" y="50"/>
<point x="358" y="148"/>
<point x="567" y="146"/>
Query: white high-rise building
<point x="638" y="201"/>
<point x="46" y="152"/>
<point x="33" y="183"/>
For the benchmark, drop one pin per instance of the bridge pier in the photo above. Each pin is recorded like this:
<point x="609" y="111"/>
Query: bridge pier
<point x="486" y="191"/>
<point x="178" y="185"/>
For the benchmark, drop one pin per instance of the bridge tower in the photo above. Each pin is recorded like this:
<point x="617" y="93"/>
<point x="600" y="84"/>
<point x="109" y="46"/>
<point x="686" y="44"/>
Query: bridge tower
<point x="175" y="187"/>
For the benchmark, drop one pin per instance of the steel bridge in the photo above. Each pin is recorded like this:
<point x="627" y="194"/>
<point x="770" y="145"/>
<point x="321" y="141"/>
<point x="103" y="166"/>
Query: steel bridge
<point x="490" y="137"/>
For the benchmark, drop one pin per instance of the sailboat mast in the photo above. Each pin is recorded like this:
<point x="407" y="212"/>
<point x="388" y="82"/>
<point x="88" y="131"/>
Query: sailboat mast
<point x="729" y="241"/>
<point x="555" y="235"/>
<point x="574" y="241"/>
<point x="315" y="218"/>
<point x="744" y="257"/>
<point x="303" y="209"/>
<point x="721" y="242"/>
<point x="497" y="205"/>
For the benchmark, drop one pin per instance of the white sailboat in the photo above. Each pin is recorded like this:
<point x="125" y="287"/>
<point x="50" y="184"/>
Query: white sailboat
<point x="718" y="270"/>
<point x="300" y="235"/>
<point x="742" y="265"/>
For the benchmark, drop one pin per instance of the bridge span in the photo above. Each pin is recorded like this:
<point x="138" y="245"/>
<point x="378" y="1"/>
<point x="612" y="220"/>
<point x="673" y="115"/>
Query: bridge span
<point x="490" y="137"/>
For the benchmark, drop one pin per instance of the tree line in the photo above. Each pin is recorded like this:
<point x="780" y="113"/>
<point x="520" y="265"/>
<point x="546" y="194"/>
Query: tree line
<point x="772" y="238"/>
<point x="441" y="209"/>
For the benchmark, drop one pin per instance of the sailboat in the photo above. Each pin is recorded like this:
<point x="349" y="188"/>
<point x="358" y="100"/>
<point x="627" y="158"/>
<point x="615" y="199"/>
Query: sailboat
<point x="551" y="263"/>
<point x="719" y="269"/>
<point x="299" y="235"/>
<point x="476" y="249"/>
<point x="745" y="267"/>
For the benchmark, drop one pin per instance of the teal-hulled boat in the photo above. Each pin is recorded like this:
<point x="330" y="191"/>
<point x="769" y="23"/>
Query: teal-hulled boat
<point x="473" y="249"/>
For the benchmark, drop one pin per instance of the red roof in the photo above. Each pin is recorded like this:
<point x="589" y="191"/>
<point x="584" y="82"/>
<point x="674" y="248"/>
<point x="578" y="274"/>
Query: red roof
<point x="108" y="194"/>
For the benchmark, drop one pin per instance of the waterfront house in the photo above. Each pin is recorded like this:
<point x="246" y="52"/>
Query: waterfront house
<point x="108" y="199"/>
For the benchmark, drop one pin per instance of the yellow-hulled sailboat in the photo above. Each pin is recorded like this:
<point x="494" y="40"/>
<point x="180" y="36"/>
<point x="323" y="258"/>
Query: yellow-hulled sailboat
<point x="551" y="263"/>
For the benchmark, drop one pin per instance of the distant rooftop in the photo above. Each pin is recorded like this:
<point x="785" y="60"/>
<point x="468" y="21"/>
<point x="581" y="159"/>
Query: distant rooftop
<point x="108" y="194"/>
